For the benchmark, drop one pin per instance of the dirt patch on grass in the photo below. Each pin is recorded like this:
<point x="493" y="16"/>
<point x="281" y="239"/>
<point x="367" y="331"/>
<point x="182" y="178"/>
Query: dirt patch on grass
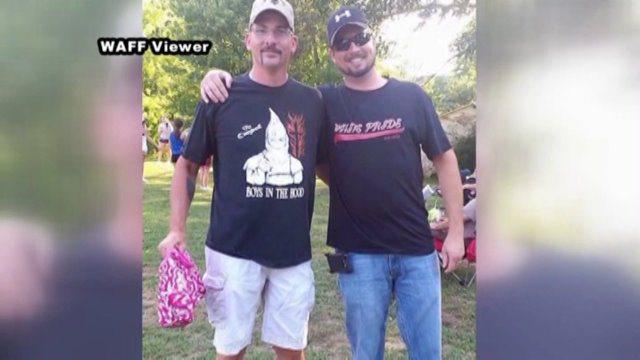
<point x="449" y="319"/>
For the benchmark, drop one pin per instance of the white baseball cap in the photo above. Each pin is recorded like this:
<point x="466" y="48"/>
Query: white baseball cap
<point x="281" y="6"/>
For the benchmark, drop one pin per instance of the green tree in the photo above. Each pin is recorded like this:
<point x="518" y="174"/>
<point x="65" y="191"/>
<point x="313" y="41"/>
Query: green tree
<point x="466" y="151"/>
<point x="458" y="89"/>
<point x="171" y="82"/>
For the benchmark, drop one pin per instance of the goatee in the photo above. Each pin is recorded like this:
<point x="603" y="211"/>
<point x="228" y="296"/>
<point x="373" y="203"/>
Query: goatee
<point x="357" y="73"/>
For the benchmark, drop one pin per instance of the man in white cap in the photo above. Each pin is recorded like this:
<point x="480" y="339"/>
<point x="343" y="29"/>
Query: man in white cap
<point x="263" y="141"/>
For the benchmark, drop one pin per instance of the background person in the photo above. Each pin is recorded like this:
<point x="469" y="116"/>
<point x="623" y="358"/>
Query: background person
<point x="175" y="139"/>
<point x="164" y="132"/>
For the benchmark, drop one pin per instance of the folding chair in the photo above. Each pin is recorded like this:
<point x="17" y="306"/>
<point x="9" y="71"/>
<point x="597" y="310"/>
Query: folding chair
<point x="469" y="257"/>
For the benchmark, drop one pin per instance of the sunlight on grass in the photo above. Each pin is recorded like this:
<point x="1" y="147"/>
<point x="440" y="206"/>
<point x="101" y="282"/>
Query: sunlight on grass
<point x="158" y="169"/>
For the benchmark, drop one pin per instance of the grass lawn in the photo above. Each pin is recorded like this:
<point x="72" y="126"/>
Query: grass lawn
<point x="327" y="337"/>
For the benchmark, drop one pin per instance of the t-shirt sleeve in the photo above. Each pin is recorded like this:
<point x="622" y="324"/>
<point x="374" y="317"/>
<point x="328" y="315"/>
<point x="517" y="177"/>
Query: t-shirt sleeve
<point x="201" y="143"/>
<point x="434" y="140"/>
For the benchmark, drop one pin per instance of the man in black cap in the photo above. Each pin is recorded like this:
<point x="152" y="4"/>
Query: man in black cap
<point x="378" y="126"/>
<point x="375" y="130"/>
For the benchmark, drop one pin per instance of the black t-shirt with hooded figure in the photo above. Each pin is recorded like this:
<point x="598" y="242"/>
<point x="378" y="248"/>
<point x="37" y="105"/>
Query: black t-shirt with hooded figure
<point x="264" y="142"/>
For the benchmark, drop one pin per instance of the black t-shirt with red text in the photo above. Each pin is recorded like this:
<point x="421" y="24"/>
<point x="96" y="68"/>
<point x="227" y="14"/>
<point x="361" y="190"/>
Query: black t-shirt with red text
<point x="372" y="143"/>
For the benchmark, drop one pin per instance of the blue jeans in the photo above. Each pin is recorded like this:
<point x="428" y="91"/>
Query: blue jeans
<point x="368" y="291"/>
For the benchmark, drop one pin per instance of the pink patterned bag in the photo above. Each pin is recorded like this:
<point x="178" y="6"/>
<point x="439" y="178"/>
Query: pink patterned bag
<point x="179" y="289"/>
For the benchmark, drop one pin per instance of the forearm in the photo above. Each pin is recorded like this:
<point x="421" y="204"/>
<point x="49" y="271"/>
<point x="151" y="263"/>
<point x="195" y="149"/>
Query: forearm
<point x="446" y="166"/>
<point x="182" y="188"/>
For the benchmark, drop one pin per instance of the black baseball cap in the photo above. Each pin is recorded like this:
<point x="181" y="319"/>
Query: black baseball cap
<point x="345" y="15"/>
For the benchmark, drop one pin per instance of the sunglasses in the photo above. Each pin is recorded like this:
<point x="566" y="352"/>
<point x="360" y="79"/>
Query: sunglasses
<point x="343" y="44"/>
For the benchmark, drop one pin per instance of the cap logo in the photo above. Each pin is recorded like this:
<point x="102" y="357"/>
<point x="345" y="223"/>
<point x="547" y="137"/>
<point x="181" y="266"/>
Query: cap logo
<point x="345" y="14"/>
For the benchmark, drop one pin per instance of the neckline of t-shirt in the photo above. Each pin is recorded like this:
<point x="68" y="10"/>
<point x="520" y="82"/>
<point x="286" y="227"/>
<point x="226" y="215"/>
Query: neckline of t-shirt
<point x="267" y="87"/>
<point x="381" y="88"/>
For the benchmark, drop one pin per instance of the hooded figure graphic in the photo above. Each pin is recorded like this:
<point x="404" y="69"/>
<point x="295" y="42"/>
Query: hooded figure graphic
<point x="274" y="166"/>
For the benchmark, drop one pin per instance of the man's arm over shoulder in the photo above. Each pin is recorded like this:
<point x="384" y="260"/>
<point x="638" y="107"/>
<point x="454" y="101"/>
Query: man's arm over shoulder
<point x="214" y="86"/>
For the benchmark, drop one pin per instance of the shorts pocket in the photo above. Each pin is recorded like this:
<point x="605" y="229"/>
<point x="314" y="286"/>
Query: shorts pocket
<point x="291" y="319"/>
<point x="214" y="297"/>
<point x="301" y="301"/>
